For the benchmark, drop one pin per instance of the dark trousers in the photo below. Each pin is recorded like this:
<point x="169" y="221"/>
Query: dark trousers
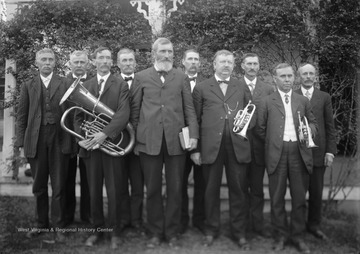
<point x="163" y="221"/>
<point x="49" y="161"/>
<point x="236" y="176"/>
<point x="316" y="185"/>
<point x="70" y="195"/>
<point x="198" y="214"/>
<point x="291" y="167"/>
<point x="102" y="167"/>
<point x="132" y="201"/>
<point x="256" y="190"/>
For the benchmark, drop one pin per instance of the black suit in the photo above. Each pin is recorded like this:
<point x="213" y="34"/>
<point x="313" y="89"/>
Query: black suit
<point x="219" y="147"/>
<point x="158" y="112"/>
<point x="257" y="166"/>
<point x="101" y="166"/>
<point x="70" y="195"/>
<point x="132" y="203"/>
<point x="198" y="214"/>
<point x="326" y="140"/>
<point x="46" y="145"/>
<point x="286" y="160"/>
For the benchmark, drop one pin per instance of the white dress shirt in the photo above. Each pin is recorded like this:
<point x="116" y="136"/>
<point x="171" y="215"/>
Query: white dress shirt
<point x="46" y="80"/>
<point x="128" y="76"/>
<point x="103" y="83"/>
<point x="289" y="128"/>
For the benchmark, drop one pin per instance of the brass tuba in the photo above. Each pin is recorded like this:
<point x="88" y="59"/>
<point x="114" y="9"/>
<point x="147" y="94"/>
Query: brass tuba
<point x="305" y="132"/>
<point x="102" y="115"/>
<point x="242" y="119"/>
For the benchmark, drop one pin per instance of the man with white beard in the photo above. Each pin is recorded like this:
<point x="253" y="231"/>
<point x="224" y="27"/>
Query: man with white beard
<point x="161" y="106"/>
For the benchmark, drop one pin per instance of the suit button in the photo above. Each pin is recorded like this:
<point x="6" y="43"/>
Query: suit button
<point x="221" y="118"/>
<point x="162" y="106"/>
<point x="220" y="133"/>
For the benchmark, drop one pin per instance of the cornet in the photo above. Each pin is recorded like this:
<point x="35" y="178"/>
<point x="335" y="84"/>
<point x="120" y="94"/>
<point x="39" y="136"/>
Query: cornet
<point x="102" y="115"/>
<point x="305" y="132"/>
<point x="242" y="119"/>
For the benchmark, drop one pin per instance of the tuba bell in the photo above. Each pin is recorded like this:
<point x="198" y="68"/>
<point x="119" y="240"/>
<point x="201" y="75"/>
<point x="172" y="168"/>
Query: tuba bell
<point x="102" y="115"/>
<point x="305" y="132"/>
<point x="242" y="120"/>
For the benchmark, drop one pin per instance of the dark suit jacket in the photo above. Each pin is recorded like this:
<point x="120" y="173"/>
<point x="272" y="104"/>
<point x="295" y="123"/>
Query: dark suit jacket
<point x="28" y="116"/>
<point x="325" y="138"/>
<point x="159" y="109"/>
<point x="210" y="105"/>
<point x="257" y="145"/>
<point x="271" y="123"/>
<point x="116" y="97"/>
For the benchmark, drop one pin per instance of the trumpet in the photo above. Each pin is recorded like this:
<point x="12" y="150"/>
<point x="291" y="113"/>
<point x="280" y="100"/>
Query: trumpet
<point x="305" y="132"/>
<point x="101" y="114"/>
<point x="242" y="119"/>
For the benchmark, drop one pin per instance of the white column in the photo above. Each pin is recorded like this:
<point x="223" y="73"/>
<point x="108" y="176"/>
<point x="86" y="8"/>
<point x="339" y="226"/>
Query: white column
<point x="9" y="123"/>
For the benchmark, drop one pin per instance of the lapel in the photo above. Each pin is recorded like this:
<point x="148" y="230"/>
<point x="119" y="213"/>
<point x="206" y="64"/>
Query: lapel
<point x="169" y="77"/>
<point x="109" y="83"/>
<point x="215" y="88"/>
<point x="155" y="76"/>
<point x="232" y="86"/>
<point x="278" y="102"/>
<point x="54" y="84"/>
<point x="36" y="87"/>
<point x="294" y="105"/>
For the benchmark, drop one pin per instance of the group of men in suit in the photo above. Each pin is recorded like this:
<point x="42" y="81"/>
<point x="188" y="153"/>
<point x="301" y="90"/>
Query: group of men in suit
<point x="158" y="102"/>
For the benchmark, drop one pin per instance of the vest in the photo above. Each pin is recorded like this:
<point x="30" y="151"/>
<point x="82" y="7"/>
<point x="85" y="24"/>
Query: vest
<point x="47" y="116"/>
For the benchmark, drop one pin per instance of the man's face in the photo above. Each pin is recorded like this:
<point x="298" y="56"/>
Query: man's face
<point x="224" y="65"/>
<point x="46" y="63"/>
<point x="78" y="65"/>
<point x="307" y="75"/>
<point x="191" y="63"/>
<point x="127" y="63"/>
<point x="284" y="79"/>
<point x="103" y="62"/>
<point x="251" y="66"/>
<point x="164" y="57"/>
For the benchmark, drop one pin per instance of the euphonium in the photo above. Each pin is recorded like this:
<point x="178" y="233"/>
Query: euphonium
<point x="304" y="130"/>
<point x="102" y="115"/>
<point x="242" y="119"/>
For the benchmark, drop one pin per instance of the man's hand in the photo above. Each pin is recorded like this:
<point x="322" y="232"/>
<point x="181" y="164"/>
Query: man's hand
<point x="196" y="158"/>
<point x="193" y="144"/>
<point x="93" y="141"/>
<point x="328" y="160"/>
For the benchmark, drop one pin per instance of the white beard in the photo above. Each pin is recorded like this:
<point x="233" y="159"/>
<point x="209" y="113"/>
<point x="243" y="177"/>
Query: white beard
<point x="164" y="65"/>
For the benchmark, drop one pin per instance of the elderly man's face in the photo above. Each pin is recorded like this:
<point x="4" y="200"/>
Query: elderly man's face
<point x="78" y="65"/>
<point x="46" y="63"/>
<point x="307" y="75"/>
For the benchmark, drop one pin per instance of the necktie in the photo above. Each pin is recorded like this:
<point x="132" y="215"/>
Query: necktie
<point x="162" y="75"/>
<point x="100" y="84"/>
<point x="251" y="87"/>
<point x="308" y="95"/>
<point x="128" y="78"/>
<point x="82" y="79"/>
<point x="192" y="79"/>
<point x="223" y="85"/>
<point x="286" y="98"/>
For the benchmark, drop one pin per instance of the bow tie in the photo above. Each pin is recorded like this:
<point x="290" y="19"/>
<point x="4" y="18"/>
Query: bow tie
<point x="223" y="81"/>
<point x="192" y="79"/>
<point x="162" y="73"/>
<point x="128" y="78"/>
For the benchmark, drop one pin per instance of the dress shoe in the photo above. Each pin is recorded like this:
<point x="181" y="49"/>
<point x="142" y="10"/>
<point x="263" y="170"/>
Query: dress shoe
<point x="115" y="242"/>
<point x="263" y="233"/>
<point x="174" y="243"/>
<point x="279" y="244"/>
<point x="92" y="240"/>
<point x="60" y="237"/>
<point x="32" y="234"/>
<point x="208" y="240"/>
<point x="153" y="242"/>
<point x="199" y="226"/>
<point x="318" y="234"/>
<point x="300" y="244"/>
<point x="243" y="244"/>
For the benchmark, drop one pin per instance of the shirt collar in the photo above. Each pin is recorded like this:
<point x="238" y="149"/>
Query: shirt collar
<point x="127" y="76"/>
<point x="46" y="79"/>
<point x="247" y="81"/>
<point x="217" y="78"/>
<point x="282" y="94"/>
<point x="82" y="77"/>
<point x="311" y="90"/>
<point x="105" y="77"/>
<point x="195" y="76"/>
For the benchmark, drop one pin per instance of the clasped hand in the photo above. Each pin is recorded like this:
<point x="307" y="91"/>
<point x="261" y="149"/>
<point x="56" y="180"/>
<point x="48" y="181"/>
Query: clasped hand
<point x="93" y="141"/>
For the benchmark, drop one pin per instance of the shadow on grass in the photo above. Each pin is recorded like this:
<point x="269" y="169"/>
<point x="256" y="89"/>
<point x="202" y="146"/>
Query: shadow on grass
<point x="17" y="215"/>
